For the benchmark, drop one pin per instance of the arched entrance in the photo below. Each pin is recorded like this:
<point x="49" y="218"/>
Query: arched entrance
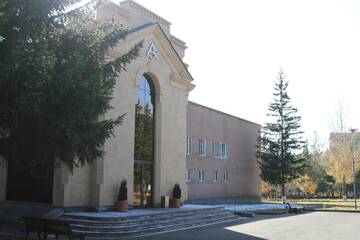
<point x="144" y="143"/>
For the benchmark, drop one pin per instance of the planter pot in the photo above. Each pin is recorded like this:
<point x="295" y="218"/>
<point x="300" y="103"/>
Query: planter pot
<point x="121" y="206"/>
<point x="174" y="203"/>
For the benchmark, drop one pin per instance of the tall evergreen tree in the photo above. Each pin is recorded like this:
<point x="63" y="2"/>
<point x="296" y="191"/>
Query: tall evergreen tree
<point x="280" y="143"/>
<point x="56" y="82"/>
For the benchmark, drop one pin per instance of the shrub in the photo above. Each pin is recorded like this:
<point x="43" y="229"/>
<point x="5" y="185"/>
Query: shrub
<point x="177" y="191"/>
<point x="122" y="195"/>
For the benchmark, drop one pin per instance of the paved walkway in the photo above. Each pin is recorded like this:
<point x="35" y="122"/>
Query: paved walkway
<point x="313" y="225"/>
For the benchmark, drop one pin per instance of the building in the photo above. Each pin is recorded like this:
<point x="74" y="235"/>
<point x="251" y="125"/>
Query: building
<point x="338" y="140"/>
<point x="149" y="149"/>
<point x="221" y="160"/>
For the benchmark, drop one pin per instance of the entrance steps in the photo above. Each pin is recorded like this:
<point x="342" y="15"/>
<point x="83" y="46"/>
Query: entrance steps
<point x="98" y="226"/>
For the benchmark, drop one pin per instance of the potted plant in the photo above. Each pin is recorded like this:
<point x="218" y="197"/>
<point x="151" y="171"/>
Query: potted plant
<point x="122" y="201"/>
<point x="176" y="196"/>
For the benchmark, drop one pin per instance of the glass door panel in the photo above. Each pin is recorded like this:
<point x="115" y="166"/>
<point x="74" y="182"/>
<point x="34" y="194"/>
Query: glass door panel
<point x="147" y="184"/>
<point x="142" y="191"/>
<point x="137" y="184"/>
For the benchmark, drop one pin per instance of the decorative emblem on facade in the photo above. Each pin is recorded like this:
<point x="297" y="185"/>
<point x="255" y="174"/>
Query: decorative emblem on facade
<point x="153" y="52"/>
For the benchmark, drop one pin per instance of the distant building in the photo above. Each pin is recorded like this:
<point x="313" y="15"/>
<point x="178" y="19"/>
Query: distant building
<point x="336" y="139"/>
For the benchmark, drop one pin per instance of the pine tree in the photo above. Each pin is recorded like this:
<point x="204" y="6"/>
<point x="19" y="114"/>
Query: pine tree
<point x="56" y="82"/>
<point x="280" y="143"/>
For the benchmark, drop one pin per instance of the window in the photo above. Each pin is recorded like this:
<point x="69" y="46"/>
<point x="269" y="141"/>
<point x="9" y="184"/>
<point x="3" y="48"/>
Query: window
<point x="201" y="175"/>
<point x="188" y="175"/>
<point x="188" y="145"/>
<point x="220" y="150"/>
<point x="202" y="147"/>
<point x="215" y="177"/>
<point x="226" y="176"/>
<point x="145" y="110"/>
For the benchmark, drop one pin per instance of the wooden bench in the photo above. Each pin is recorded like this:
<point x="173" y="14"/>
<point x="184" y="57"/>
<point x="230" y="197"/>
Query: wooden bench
<point x="294" y="208"/>
<point x="37" y="225"/>
<point x="45" y="227"/>
<point x="5" y="236"/>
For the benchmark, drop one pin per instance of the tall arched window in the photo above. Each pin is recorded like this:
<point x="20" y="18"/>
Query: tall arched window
<point x="144" y="143"/>
<point x="144" y="120"/>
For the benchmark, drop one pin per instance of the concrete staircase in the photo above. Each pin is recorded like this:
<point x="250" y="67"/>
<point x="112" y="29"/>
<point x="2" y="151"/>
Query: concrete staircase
<point x="141" y="225"/>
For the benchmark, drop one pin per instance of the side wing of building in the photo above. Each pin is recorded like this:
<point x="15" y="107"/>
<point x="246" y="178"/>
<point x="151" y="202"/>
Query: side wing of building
<point x="221" y="161"/>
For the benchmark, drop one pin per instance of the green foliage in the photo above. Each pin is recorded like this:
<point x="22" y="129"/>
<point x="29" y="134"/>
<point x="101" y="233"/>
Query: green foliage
<point x="122" y="194"/>
<point x="144" y="133"/>
<point x="357" y="183"/>
<point x="56" y="82"/>
<point x="280" y="143"/>
<point x="326" y="185"/>
<point x="177" y="191"/>
<point x="317" y="171"/>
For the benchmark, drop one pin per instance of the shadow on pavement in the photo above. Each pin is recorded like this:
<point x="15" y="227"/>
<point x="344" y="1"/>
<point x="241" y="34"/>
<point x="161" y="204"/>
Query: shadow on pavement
<point x="218" y="231"/>
<point x="212" y="232"/>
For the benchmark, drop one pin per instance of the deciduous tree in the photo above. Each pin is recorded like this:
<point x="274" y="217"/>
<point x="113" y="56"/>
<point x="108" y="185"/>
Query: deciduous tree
<point x="342" y="148"/>
<point x="306" y="185"/>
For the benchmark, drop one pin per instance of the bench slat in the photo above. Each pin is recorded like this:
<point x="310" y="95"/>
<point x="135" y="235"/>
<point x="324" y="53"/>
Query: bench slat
<point x="49" y="226"/>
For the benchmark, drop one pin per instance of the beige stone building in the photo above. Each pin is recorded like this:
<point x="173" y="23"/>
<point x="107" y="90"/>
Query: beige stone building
<point x="149" y="149"/>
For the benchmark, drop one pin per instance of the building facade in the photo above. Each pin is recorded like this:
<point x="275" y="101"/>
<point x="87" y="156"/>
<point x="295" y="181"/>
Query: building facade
<point x="149" y="149"/>
<point x="221" y="160"/>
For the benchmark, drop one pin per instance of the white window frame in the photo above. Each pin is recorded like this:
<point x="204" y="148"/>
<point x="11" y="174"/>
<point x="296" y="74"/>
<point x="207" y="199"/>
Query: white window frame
<point x="226" y="177"/>
<point x="216" y="176"/>
<point x="188" y="174"/>
<point x="202" y="147"/>
<point x="188" y="145"/>
<point x="220" y="150"/>
<point x="226" y="151"/>
<point x="214" y="149"/>
<point x="201" y="175"/>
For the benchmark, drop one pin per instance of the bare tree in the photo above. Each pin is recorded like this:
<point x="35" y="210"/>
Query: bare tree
<point x="339" y="162"/>
<point x="339" y="120"/>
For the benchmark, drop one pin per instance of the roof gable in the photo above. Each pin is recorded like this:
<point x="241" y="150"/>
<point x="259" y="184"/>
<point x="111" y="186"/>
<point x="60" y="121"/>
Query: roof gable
<point x="165" y="44"/>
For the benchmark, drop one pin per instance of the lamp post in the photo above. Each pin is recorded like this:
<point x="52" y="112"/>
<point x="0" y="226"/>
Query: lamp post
<point x="353" y="165"/>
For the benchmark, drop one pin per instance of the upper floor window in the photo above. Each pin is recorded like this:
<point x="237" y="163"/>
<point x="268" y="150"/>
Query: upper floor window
<point x="188" y="175"/>
<point x="220" y="149"/>
<point x="201" y="175"/>
<point x="188" y="145"/>
<point x="202" y="147"/>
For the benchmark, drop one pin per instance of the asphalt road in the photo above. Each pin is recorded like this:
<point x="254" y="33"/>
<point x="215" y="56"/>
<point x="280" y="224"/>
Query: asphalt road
<point x="311" y="225"/>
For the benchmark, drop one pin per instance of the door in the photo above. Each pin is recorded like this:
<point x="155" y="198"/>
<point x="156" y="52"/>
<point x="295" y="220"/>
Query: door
<point x="30" y="183"/>
<point x="143" y="182"/>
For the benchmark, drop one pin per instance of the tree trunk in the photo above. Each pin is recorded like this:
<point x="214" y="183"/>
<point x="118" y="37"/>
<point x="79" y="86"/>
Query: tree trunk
<point x="283" y="196"/>
<point x="344" y="192"/>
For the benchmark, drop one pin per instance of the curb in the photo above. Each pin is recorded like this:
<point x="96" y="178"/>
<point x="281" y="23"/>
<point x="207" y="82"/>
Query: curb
<point x="331" y="210"/>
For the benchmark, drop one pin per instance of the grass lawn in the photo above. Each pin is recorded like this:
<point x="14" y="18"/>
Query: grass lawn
<point x="323" y="204"/>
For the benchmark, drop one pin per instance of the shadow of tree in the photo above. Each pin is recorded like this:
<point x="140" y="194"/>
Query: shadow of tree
<point x="217" y="232"/>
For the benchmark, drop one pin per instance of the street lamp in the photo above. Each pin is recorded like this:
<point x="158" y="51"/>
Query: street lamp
<point x="352" y="130"/>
